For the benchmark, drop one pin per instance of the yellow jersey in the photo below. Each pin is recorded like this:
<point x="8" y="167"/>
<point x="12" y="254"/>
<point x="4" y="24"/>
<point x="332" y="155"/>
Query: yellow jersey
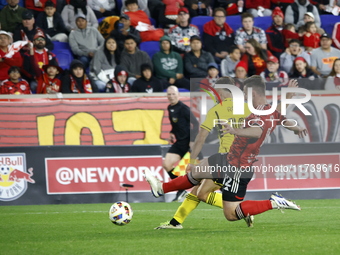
<point x="224" y="112"/>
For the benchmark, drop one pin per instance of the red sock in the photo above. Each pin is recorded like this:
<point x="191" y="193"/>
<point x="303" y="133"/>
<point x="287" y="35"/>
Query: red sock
<point x="180" y="183"/>
<point x="252" y="207"/>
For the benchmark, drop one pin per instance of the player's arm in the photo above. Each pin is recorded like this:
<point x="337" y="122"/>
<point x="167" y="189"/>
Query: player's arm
<point x="251" y="132"/>
<point x="300" y="131"/>
<point x="198" y="143"/>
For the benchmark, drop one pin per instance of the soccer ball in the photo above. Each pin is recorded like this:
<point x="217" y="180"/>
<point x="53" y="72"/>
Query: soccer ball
<point x="120" y="213"/>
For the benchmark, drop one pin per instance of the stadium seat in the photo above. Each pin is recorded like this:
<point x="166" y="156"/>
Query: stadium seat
<point x="64" y="57"/>
<point x="199" y="21"/>
<point x="263" y="22"/>
<point x="328" y="21"/>
<point x="153" y="21"/>
<point x="150" y="47"/>
<point x="234" y="22"/>
<point x="101" y="19"/>
<point x="61" y="46"/>
<point x="119" y="5"/>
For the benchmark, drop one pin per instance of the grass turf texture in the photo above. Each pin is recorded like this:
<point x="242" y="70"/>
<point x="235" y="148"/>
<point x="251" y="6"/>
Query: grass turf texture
<point x="86" y="229"/>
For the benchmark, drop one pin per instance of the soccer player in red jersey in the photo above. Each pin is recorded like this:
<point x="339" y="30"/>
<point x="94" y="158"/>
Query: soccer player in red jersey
<point x="242" y="155"/>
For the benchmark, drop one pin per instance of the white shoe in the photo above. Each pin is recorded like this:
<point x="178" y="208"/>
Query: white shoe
<point x="167" y="225"/>
<point x="155" y="184"/>
<point x="249" y="220"/>
<point x="279" y="202"/>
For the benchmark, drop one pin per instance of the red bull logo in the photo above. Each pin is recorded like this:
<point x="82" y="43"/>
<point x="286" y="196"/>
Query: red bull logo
<point x="14" y="176"/>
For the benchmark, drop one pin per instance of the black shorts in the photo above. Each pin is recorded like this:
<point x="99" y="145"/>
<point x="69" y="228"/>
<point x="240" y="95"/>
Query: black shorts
<point x="234" y="182"/>
<point x="180" y="148"/>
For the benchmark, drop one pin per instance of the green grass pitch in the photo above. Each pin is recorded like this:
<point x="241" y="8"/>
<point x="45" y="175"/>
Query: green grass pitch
<point x="86" y="229"/>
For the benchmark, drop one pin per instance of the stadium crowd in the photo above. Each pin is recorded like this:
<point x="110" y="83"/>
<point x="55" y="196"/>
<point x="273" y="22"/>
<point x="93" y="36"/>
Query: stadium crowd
<point x="88" y="46"/>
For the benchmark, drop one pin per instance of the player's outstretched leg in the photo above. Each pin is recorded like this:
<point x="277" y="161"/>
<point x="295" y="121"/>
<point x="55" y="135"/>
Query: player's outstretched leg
<point x="181" y="183"/>
<point x="250" y="207"/>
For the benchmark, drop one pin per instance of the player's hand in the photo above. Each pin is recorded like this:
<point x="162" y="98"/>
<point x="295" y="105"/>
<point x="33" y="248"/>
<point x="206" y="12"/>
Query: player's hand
<point x="189" y="168"/>
<point x="227" y="129"/>
<point x="301" y="132"/>
<point x="172" y="138"/>
<point x="292" y="84"/>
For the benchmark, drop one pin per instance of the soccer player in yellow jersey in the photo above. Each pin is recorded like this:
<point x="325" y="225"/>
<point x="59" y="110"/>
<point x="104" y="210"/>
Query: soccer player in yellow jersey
<point x="206" y="190"/>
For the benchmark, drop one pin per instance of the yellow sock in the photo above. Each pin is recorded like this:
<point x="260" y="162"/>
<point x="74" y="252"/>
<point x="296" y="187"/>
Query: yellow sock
<point x="188" y="205"/>
<point x="215" y="199"/>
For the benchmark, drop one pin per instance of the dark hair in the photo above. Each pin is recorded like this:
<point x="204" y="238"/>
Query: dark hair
<point x="257" y="83"/>
<point x="309" y="24"/>
<point x="258" y="49"/>
<point x="13" y="69"/>
<point x="219" y="9"/>
<point x="108" y="54"/>
<point x="333" y="73"/>
<point x="288" y="26"/>
<point x="127" y="2"/>
<point x="233" y="48"/>
<point x="246" y="15"/>
<point x="295" y="41"/>
<point x="130" y="37"/>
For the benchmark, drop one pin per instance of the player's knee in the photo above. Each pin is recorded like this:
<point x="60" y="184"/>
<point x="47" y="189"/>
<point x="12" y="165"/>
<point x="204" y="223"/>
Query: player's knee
<point x="230" y="215"/>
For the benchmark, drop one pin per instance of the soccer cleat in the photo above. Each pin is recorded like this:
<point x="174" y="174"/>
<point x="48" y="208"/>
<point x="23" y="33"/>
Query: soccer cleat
<point x="249" y="220"/>
<point x="155" y="184"/>
<point x="167" y="225"/>
<point x="282" y="203"/>
<point x="180" y="195"/>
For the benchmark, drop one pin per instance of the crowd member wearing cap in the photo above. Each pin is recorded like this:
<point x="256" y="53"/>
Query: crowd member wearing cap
<point x="74" y="8"/>
<point x="37" y="6"/>
<point x="168" y="65"/>
<point x="241" y="71"/>
<point x="119" y="83"/>
<point x="291" y="53"/>
<point x="52" y="23"/>
<point x="309" y="17"/>
<point x="274" y="77"/>
<point x="132" y="58"/>
<point x="218" y="36"/>
<point x="36" y="58"/>
<point x="249" y="31"/>
<point x="296" y="11"/>
<point x="259" y="8"/>
<point x="196" y="61"/>
<point x="75" y="79"/>
<point x="147" y="83"/>
<point x="28" y="29"/>
<point x="123" y="29"/>
<point x="304" y="74"/>
<point x="198" y="8"/>
<point x="276" y="41"/>
<point x="282" y="4"/>
<point x="102" y="8"/>
<point x="85" y="40"/>
<point x="7" y="61"/>
<point x="181" y="33"/>
<point x="323" y="57"/>
<point x="48" y="81"/>
<point x="14" y="85"/>
<point x="140" y="20"/>
<point x="255" y="57"/>
<point x="211" y="77"/>
<point x="333" y="80"/>
<point x="229" y="63"/>
<point x="103" y="63"/>
<point x="11" y="15"/>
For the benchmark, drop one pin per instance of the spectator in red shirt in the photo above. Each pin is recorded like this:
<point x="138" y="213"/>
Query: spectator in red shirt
<point x="255" y="57"/>
<point x="48" y="81"/>
<point x="311" y="40"/>
<point x="14" y="85"/>
<point x="6" y="59"/>
<point x="275" y="38"/>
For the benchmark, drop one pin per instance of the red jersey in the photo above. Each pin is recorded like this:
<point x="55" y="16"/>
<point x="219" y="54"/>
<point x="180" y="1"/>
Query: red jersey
<point x="311" y="40"/>
<point x="243" y="150"/>
<point x="9" y="87"/>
